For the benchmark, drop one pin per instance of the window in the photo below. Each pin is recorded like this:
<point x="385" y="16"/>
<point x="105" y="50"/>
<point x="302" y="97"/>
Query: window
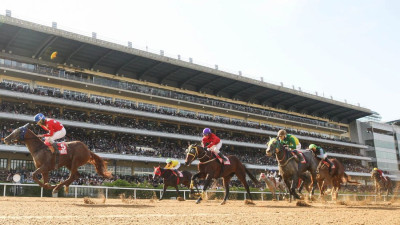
<point x="18" y="164"/>
<point x="3" y="163"/>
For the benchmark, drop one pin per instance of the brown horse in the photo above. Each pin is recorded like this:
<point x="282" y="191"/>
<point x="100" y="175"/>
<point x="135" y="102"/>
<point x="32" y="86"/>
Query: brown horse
<point x="381" y="183"/>
<point x="77" y="155"/>
<point x="210" y="167"/>
<point x="171" y="179"/>
<point x="324" y="178"/>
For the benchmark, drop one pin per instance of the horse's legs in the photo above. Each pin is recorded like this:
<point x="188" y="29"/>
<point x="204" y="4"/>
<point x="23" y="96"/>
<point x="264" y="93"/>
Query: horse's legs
<point x="45" y="176"/>
<point x="77" y="175"/>
<point x="287" y="182"/>
<point x="242" y="177"/>
<point x="295" y="181"/>
<point x="194" y="183"/>
<point x="206" y="184"/>
<point x="226" y="185"/>
<point x="301" y="185"/>
<point x="36" y="172"/>
<point x="163" y="192"/>
<point x="177" y="192"/>
<point x="71" y="178"/>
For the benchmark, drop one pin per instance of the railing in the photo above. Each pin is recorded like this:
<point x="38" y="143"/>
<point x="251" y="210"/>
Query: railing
<point x="75" y="191"/>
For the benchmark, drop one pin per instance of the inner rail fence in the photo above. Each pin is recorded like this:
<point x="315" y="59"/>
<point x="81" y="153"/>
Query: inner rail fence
<point x="79" y="191"/>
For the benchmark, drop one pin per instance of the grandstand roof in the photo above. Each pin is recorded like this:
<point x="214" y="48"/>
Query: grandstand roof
<point x="37" y="42"/>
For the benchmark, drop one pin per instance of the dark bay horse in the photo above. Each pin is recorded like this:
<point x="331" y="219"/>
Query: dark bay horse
<point x="171" y="179"/>
<point x="324" y="178"/>
<point x="291" y="170"/>
<point x="381" y="184"/>
<point x="44" y="160"/>
<point x="210" y="167"/>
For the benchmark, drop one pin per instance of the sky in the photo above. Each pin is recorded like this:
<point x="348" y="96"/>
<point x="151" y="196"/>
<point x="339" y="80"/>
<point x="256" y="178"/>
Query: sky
<point x="349" y="50"/>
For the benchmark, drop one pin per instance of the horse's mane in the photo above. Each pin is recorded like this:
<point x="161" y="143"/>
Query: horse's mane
<point x="271" y="141"/>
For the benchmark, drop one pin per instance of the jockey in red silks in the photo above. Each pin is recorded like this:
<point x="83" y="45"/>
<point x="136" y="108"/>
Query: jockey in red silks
<point x="381" y="173"/>
<point x="56" y="130"/>
<point x="214" y="143"/>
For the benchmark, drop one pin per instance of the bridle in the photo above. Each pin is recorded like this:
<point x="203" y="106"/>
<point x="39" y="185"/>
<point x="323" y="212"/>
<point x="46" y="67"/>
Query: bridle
<point x="196" y="154"/>
<point x="281" y="161"/>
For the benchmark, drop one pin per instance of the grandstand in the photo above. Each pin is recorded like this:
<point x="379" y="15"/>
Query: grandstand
<point x="136" y="108"/>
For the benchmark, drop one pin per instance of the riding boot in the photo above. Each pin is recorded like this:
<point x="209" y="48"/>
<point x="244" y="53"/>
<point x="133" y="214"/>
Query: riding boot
<point x="221" y="156"/>
<point x="331" y="166"/>
<point x="299" y="156"/>
<point x="55" y="148"/>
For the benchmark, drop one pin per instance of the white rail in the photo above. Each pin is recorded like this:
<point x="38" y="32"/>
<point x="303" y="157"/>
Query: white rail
<point x="106" y="189"/>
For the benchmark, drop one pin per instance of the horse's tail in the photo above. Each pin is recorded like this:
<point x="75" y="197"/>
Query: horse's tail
<point x="252" y="177"/>
<point x="346" y="179"/>
<point x="100" y="164"/>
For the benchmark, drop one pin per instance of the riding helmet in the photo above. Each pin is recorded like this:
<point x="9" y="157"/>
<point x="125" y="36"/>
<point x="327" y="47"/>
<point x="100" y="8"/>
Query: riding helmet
<point x="206" y="131"/>
<point x="168" y="160"/>
<point x="39" y="117"/>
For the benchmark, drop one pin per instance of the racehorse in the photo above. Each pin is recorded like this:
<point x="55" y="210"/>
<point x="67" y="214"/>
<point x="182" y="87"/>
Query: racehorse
<point x="172" y="179"/>
<point x="381" y="183"/>
<point x="210" y="167"/>
<point x="78" y="154"/>
<point x="324" y="178"/>
<point x="273" y="185"/>
<point x="291" y="170"/>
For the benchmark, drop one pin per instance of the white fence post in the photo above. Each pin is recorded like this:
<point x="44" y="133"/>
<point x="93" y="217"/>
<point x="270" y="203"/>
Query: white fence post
<point x="41" y="192"/>
<point x="134" y="193"/>
<point x="76" y="192"/>
<point x="4" y="191"/>
<point x="106" y="192"/>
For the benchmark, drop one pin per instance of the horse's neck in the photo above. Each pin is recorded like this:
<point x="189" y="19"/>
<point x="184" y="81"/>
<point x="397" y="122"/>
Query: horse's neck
<point x="281" y="155"/>
<point x="167" y="173"/>
<point x="205" y="157"/>
<point x="33" y="143"/>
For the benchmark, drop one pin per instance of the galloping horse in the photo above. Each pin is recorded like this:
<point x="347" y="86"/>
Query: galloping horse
<point x="273" y="185"/>
<point x="171" y="179"/>
<point x="325" y="179"/>
<point x="210" y="168"/>
<point x="44" y="160"/>
<point x="381" y="183"/>
<point x="291" y="170"/>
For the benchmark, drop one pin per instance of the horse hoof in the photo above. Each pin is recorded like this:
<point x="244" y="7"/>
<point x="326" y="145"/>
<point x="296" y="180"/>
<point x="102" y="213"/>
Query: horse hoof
<point x="223" y="202"/>
<point x="198" y="201"/>
<point x="180" y="199"/>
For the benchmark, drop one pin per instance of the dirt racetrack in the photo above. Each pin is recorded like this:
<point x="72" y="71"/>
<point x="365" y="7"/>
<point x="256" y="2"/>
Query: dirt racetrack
<point x="24" y="210"/>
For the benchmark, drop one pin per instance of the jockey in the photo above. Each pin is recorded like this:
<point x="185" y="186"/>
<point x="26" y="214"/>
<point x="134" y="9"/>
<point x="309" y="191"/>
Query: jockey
<point x="320" y="153"/>
<point x="172" y="165"/>
<point x="56" y="130"/>
<point x="214" y="143"/>
<point x="292" y="142"/>
<point x="381" y="173"/>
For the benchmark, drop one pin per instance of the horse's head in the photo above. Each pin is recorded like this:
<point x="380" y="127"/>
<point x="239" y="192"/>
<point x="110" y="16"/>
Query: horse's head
<point x="273" y="146"/>
<point x="192" y="153"/>
<point x="157" y="171"/>
<point x="262" y="176"/>
<point x="17" y="135"/>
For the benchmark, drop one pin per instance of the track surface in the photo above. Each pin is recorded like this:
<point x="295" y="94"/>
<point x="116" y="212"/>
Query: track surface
<point x="20" y="210"/>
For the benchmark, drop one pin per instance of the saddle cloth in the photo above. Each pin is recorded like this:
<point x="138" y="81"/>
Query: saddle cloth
<point x="62" y="148"/>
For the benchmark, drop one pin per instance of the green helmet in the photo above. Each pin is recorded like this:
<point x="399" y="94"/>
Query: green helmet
<point x="168" y="160"/>
<point x="312" y="146"/>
